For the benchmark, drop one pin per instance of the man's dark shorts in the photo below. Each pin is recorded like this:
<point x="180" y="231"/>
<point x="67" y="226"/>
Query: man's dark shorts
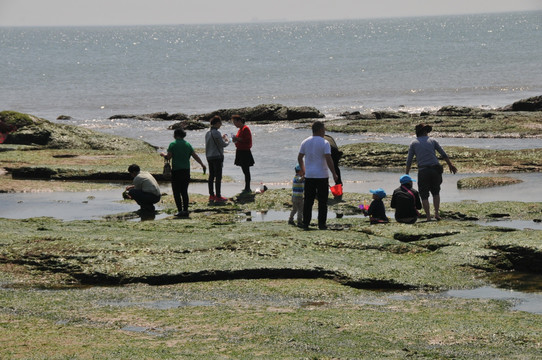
<point x="429" y="180"/>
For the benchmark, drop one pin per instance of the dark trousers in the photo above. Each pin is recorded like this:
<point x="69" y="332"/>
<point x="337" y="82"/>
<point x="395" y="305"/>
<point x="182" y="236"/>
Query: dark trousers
<point x="215" y="176"/>
<point x="246" y="172"/>
<point x="315" y="189"/>
<point x="144" y="199"/>
<point x="179" y="184"/>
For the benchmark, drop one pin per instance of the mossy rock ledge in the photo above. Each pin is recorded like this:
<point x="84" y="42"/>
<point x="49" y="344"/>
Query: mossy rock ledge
<point x="32" y="130"/>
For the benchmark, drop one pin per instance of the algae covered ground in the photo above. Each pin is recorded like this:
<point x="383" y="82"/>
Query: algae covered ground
<point x="217" y="286"/>
<point x="213" y="286"/>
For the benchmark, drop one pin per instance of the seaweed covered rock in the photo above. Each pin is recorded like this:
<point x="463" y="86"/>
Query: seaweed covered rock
<point x="32" y="130"/>
<point x="479" y="182"/>
<point x="531" y="104"/>
<point x="265" y="112"/>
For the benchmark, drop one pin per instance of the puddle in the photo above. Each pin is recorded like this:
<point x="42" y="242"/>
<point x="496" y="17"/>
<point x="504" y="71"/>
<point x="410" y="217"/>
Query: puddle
<point x="144" y="330"/>
<point x="513" y="224"/>
<point x="527" y="302"/>
<point x="160" y="304"/>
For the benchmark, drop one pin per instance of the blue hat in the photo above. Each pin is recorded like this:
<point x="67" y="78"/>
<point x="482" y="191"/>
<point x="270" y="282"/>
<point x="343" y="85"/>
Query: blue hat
<point x="379" y="192"/>
<point x="297" y="168"/>
<point x="405" y="179"/>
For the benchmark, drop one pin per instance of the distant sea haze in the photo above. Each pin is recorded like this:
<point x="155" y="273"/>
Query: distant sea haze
<point x="410" y="64"/>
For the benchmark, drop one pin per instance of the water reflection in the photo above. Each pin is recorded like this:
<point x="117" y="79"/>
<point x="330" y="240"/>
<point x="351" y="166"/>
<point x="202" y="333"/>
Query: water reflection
<point x="522" y="301"/>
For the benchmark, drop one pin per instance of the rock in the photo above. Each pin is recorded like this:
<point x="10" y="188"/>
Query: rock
<point x="530" y="104"/>
<point x="188" y="125"/>
<point x="480" y="182"/>
<point x="32" y="130"/>
<point x="264" y="112"/>
<point x="356" y="115"/>
<point x="157" y="116"/>
<point x="64" y="117"/>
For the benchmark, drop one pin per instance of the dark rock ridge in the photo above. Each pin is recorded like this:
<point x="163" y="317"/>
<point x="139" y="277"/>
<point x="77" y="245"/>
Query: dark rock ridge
<point x="153" y="116"/>
<point x="265" y="112"/>
<point x="530" y="104"/>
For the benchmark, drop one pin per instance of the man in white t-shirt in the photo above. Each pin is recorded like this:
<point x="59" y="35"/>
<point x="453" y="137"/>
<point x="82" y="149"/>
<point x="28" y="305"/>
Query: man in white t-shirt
<point x="315" y="159"/>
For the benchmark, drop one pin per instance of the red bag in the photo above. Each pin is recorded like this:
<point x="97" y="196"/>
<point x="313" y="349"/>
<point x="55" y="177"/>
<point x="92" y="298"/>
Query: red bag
<point x="336" y="190"/>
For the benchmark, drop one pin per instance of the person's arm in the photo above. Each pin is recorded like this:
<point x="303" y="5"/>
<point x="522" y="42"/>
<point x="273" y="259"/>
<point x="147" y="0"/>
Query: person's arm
<point x="167" y="155"/>
<point x="301" y="163"/>
<point x="331" y="166"/>
<point x="197" y="158"/>
<point x="452" y="168"/>
<point x="410" y="157"/>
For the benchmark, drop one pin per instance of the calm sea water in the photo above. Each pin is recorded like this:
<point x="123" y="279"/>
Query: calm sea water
<point x="95" y="72"/>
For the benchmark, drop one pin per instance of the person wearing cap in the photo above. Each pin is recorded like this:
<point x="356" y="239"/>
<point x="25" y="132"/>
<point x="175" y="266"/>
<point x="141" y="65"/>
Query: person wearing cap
<point x="377" y="210"/>
<point x="298" y="186"/>
<point x="406" y="201"/>
<point x="315" y="160"/>
<point x="429" y="169"/>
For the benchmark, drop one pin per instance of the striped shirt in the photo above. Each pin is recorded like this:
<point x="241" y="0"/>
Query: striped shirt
<point x="298" y="186"/>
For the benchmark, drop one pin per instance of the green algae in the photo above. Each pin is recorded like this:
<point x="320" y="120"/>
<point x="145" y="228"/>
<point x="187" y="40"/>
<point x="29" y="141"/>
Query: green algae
<point x="475" y="123"/>
<point x="212" y="287"/>
<point x="393" y="157"/>
<point x="479" y="182"/>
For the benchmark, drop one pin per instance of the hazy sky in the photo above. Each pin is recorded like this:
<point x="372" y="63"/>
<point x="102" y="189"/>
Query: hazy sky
<point x="128" y="12"/>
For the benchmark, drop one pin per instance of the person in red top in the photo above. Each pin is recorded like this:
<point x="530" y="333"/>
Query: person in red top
<point x="243" y="155"/>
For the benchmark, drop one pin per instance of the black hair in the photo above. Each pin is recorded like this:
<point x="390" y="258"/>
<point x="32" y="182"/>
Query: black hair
<point x="237" y="117"/>
<point x="216" y="119"/>
<point x="317" y="126"/>
<point x="179" y="133"/>
<point x="134" y="168"/>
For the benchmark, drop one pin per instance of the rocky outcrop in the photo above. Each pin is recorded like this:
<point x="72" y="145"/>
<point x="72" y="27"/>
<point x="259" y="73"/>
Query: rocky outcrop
<point x="530" y="104"/>
<point x="36" y="131"/>
<point x="153" y="116"/>
<point x="188" y="125"/>
<point x="265" y="112"/>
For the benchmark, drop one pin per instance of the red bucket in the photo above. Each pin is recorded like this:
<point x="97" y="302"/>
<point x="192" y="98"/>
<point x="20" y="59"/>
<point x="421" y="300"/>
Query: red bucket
<point x="336" y="190"/>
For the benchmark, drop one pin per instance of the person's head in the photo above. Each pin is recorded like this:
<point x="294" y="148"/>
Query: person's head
<point x="238" y="121"/>
<point x="134" y="170"/>
<point x="378" y="194"/>
<point x="297" y="169"/>
<point x="216" y="122"/>
<point x="179" y="133"/>
<point x="423" y="129"/>
<point x="318" y="128"/>
<point x="406" y="180"/>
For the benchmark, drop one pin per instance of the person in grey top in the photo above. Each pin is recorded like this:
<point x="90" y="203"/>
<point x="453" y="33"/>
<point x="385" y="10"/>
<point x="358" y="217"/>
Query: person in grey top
<point x="429" y="169"/>
<point x="214" y="151"/>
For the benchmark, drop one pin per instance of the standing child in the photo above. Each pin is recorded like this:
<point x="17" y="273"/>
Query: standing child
<point x="298" y="186"/>
<point x="377" y="210"/>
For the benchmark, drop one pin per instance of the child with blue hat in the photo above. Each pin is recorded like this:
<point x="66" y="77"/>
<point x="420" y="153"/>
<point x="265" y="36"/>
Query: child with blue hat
<point x="377" y="210"/>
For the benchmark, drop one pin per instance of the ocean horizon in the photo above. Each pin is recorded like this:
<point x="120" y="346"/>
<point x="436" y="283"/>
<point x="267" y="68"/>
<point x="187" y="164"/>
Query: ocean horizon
<point x="409" y="64"/>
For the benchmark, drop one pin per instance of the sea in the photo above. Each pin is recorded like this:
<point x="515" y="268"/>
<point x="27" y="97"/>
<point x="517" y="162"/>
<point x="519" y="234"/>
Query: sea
<point x="410" y="64"/>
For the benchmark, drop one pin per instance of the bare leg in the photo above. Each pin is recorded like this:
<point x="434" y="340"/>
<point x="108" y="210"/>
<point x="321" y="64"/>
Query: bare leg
<point x="436" y="204"/>
<point x="426" y="208"/>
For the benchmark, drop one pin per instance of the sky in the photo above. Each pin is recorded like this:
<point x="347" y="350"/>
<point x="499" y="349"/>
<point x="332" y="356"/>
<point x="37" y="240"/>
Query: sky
<point x="154" y="12"/>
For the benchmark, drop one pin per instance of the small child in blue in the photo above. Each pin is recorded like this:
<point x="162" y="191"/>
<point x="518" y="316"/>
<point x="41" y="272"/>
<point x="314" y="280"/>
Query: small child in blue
<point x="377" y="210"/>
<point x="298" y="187"/>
